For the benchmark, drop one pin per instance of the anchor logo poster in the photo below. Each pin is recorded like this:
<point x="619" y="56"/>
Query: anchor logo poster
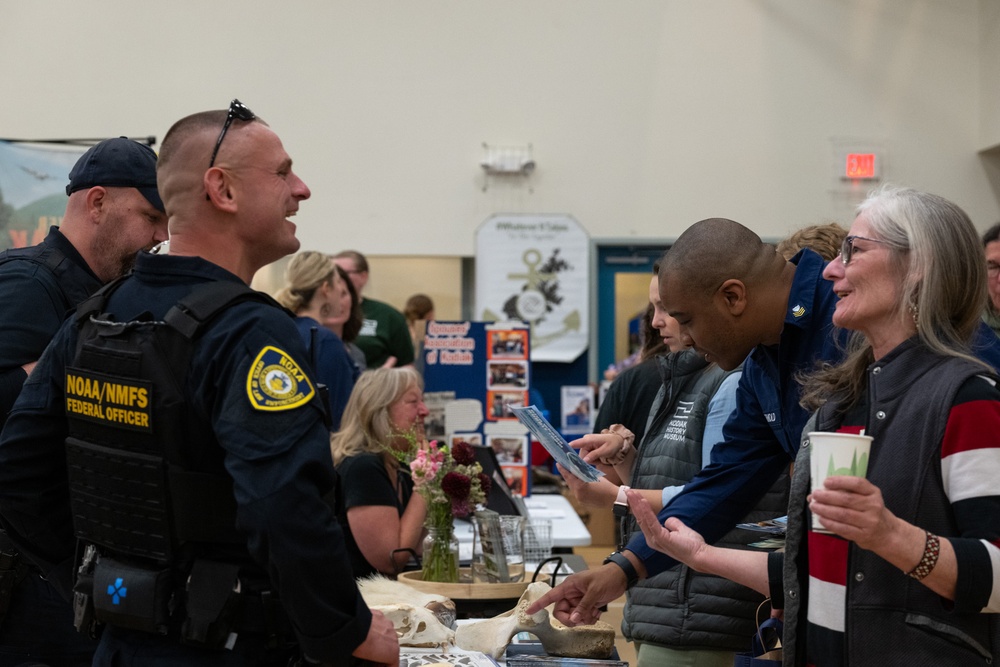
<point x="535" y="268"/>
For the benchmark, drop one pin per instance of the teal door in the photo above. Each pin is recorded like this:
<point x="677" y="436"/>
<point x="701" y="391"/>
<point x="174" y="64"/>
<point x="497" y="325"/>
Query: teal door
<point x="613" y="260"/>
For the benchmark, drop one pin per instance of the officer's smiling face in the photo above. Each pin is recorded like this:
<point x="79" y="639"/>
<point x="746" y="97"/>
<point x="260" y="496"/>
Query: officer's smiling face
<point x="270" y="192"/>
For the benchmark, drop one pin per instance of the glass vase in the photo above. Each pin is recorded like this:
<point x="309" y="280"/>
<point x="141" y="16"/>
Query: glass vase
<point x="440" y="551"/>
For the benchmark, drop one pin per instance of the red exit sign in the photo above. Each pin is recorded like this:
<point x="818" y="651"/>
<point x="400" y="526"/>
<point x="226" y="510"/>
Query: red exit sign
<point x="861" y="166"/>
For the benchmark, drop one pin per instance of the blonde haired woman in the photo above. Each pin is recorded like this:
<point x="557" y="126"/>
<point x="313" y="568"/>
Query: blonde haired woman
<point x="381" y="513"/>
<point x="311" y="291"/>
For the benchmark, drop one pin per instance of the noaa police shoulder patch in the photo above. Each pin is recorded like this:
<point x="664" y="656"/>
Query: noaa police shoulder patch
<point x="276" y="382"/>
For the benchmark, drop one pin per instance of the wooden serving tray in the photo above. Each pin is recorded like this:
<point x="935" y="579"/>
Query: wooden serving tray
<point x="465" y="591"/>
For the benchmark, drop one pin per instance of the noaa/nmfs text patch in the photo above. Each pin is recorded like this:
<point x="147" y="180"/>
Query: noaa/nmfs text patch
<point x="109" y="400"/>
<point x="276" y="382"/>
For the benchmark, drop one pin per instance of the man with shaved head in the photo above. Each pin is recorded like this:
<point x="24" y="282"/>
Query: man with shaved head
<point x="198" y="525"/>
<point x="727" y="288"/>
<point x="733" y="296"/>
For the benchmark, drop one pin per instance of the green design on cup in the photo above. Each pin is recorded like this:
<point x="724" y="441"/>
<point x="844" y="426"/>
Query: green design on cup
<point x="858" y="467"/>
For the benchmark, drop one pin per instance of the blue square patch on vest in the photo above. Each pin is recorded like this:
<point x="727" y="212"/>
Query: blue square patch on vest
<point x="276" y="382"/>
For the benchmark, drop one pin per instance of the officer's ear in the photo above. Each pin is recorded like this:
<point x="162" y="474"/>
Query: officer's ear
<point x="218" y="188"/>
<point x="98" y="202"/>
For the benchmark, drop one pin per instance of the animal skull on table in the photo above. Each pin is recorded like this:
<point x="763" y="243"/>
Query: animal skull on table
<point x="417" y="626"/>
<point x="420" y="619"/>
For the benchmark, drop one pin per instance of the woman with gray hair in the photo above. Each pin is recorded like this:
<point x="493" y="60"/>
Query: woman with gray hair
<point x="910" y="567"/>
<point x="381" y="513"/>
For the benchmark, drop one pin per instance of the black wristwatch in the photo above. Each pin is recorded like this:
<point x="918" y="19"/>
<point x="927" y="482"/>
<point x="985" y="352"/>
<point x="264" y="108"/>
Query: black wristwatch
<point x="619" y="559"/>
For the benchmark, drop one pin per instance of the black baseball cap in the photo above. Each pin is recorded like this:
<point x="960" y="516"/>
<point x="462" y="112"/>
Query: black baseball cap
<point x="117" y="163"/>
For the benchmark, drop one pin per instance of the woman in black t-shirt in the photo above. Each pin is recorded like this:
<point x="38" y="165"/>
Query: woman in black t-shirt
<point x="380" y="511"/>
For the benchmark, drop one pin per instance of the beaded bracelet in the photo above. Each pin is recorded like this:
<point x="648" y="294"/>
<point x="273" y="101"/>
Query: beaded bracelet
<point x="932" y="549"/>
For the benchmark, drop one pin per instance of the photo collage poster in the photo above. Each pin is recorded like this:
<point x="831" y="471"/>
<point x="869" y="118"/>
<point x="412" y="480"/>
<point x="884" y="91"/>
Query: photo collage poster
<point x="474" y="374"/>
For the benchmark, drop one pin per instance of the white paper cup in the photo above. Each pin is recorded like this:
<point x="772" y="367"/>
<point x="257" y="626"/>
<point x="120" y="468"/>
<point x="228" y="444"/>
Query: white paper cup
<point x="836" y="454"/>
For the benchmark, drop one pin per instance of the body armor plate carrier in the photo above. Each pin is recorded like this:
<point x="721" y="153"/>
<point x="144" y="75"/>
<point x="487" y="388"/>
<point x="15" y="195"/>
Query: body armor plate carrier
<point x="148" y="488"/>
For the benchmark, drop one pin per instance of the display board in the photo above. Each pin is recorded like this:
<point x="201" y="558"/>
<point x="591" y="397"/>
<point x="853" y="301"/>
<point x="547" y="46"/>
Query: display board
<point x="474" y="373"/>
<point x="536" y="269"/>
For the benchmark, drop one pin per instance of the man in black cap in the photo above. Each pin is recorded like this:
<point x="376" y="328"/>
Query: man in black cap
<point x="114" y="211"/>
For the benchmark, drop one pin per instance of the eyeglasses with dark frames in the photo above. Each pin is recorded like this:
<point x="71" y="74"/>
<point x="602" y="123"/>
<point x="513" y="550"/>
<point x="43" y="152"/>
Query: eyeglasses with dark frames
<point x="237" y="110"/>
<point x="847" y="247"/>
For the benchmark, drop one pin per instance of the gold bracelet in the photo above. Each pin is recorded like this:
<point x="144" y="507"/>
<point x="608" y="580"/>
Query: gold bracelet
<point x="932" y="549"/>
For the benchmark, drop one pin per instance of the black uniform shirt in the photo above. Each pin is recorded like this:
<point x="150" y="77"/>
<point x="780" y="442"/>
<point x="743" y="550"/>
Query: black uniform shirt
<point x="34" y="300"/>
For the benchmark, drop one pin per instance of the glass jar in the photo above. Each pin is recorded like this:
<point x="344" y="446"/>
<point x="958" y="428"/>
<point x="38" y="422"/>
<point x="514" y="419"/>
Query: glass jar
<point x="440" y="555"/>
<point x="497" y="551"/>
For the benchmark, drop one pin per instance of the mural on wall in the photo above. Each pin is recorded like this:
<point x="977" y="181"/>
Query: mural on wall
<point x="33" y="197"/>
<point x="534" y="269"/>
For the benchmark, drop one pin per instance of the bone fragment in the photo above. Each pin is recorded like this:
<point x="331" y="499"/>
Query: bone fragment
<point x="417" y="626"/>
<point x="492" y="636"/>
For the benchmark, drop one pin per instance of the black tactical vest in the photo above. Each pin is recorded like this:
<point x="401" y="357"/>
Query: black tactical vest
<point x="146" y="476"/>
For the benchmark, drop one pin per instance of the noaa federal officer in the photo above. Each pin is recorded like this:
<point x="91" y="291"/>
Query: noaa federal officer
<point x="197" y="526"/>
<point x="113" y="212"/>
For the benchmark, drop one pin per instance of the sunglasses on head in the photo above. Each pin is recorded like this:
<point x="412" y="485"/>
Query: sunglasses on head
<point x="237" y="110"/>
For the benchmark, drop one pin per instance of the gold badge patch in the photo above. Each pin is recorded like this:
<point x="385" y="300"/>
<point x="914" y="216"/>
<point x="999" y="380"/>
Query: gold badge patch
<point x="798" y="311"/>
<point x="276" y="382"/>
